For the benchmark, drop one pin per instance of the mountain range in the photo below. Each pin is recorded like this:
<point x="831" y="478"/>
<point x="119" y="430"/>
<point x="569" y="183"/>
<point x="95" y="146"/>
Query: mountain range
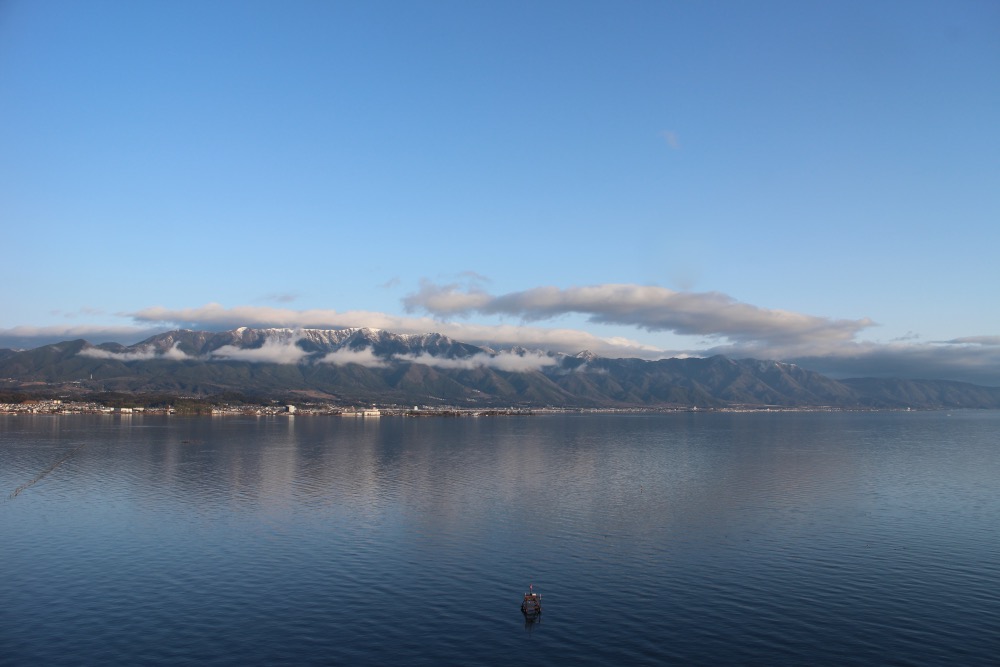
<point x="350" y="366"/>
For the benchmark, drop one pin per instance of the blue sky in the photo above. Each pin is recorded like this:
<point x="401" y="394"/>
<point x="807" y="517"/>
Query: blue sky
<point x="812" y="182"/>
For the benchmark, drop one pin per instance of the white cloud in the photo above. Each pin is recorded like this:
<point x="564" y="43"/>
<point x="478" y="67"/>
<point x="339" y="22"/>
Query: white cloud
<point x="504" y="361"/>
<point x="443" y="300"/>
<point x="98" y="353"/>
<point x="173" y="354"/>
<point x="364" y="357"/>
<point x="509" y="361"/>
<point x="273" y="351"/>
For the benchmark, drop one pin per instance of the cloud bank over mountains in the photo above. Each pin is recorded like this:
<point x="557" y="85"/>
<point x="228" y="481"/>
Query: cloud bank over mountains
<point x="282" y="346"/>
<point x="273" y="351"/>
<point x="173" y="354"/>
<point x="743" y="330"/>
<point x="364" y="357"/>
<point x="216" y="317"/>
<point x="651" y="308"/>
<point x="717" y="323"/>
<point x="504" y="361"/>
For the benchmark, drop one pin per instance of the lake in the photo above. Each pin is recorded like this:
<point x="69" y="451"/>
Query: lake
<point x="689" y="538"/>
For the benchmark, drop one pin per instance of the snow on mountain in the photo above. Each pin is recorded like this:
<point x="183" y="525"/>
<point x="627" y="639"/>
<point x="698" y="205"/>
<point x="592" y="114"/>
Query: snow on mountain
<point x="364" y="346"/>
<point x="370" y="364"/>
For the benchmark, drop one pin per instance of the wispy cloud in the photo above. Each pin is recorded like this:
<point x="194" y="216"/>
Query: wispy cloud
<point x="83" y="311"/>
<point x="280" y="297"/>
<point x="974" y="340"/>
<point x="474" y="277"/>
<point x="389" y="284"/>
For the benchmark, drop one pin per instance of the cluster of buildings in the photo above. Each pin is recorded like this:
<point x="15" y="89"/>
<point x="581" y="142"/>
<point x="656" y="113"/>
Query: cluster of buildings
<point x="57" y="406"/>
<point x="61" y="407"/>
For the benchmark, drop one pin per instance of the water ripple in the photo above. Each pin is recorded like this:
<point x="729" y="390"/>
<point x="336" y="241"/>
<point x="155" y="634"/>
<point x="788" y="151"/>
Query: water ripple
<point x="692" y="539"/>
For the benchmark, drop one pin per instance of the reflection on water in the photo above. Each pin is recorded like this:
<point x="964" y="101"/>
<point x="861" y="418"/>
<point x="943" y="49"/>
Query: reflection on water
<point x="722" y="538"/>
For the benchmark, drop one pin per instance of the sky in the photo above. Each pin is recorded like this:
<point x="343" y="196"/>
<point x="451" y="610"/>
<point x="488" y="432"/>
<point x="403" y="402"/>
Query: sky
<point x="811" y="182"/>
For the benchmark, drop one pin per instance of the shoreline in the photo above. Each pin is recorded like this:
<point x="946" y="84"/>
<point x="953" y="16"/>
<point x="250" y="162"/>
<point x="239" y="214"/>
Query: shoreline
<point x="191" y="407"/>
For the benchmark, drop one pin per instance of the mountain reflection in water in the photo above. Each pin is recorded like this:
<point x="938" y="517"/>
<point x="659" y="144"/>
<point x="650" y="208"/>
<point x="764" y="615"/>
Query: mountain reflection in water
<point x="790" y="538"/>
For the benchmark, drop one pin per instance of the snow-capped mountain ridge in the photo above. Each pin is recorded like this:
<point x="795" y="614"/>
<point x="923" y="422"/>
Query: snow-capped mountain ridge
<point x="313" y="342"/>
<point x="370" y="365"/>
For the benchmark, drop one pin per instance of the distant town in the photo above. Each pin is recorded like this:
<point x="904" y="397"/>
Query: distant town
<point x="61" y="407"/>
<point x="64" y="407"/>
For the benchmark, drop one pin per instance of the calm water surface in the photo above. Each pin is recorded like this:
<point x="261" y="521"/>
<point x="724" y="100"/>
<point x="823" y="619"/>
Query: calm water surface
<point x="688" y="539"/>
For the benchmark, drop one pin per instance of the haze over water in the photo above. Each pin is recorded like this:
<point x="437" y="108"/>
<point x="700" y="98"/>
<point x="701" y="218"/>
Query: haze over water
<point x="794" y="538"/>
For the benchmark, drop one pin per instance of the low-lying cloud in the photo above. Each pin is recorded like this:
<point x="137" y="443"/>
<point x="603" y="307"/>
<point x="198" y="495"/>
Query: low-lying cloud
<point x="144" y="354"/>
<point x="363" y="357"/>
<point x="273" y="351"/>
<point x="285" y="350"/>
<point x="503" y="361"/>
